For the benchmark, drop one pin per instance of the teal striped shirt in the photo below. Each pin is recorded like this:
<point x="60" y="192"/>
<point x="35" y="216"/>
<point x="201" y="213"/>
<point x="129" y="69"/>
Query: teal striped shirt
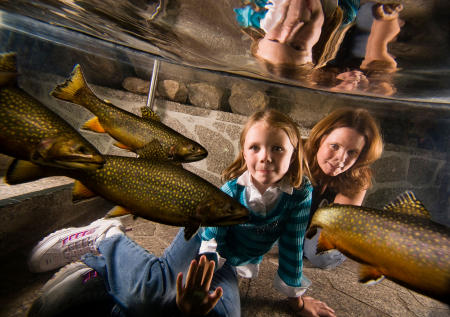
<point x="286" y="223"/>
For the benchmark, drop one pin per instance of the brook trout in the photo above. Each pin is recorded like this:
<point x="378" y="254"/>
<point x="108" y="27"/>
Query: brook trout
<point x="138" y="134"/>
<point x="156" y="190"/>
<point x="399" y="242"/>
<point x="31" y="131"/>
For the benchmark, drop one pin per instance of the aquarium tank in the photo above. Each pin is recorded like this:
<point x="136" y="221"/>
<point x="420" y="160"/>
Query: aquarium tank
<point x="204" y="67"/>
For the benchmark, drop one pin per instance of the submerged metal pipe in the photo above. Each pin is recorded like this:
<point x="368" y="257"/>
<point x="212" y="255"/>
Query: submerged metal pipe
<point x="153" y="82"/>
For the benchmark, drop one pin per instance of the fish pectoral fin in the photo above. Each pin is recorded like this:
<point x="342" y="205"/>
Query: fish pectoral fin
<point x="152" y="149"/>
<point x="149" y="114"/>
<point x="94" y="125"/>
<point x="122" y="146"/>
<point x="190" y="230"/>
<point x="369" y="275"/>
<point x="323" y="244"/>
<point x="117" y="211"/>
<point x="20" y="171"/>
<point x="80" y="192"/>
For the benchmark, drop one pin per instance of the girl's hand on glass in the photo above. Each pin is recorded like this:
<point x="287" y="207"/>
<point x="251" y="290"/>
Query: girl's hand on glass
<point x="309" y="307"/>
<point x="194" y="299"/>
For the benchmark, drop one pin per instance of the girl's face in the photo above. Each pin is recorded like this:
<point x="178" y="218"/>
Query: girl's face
<point x="268" y="154"/>
<point x="339" y="150"/>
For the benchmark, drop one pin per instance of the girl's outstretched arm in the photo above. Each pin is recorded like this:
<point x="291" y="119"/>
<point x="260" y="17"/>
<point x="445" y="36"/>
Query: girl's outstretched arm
<point x="194" y="299"/>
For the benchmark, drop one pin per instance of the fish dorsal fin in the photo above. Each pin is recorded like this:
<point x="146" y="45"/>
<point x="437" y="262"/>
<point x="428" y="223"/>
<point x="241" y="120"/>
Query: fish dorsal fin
<point x="149" y="114"/>
<point x="407" y="203"/>
<point x="8" y="62"/>
<point x="152" y="149"/>
<point x="80" y="192"/>
<point x="93" y="125"/>
<point x="20" y="171"/>
<point x="117" y="211"/>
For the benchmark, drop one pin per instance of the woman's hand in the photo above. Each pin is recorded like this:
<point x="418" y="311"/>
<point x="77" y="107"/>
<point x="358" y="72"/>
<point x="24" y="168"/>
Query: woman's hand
<point x="309" y="307"/>
<point x="194" y="299"/>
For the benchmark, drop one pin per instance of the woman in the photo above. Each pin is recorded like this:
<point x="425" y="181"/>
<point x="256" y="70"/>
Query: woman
<point x="340" y="149"/>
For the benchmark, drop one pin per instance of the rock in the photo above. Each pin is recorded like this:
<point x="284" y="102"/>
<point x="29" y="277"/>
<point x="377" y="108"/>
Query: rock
<point x="246" y="99"/>
<point x="173" y="90"/>
<point x="205" y="96"/>
<point x="136" y="85"/>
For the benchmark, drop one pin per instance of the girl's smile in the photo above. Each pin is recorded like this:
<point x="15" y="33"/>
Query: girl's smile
<point x="268" y="154"/>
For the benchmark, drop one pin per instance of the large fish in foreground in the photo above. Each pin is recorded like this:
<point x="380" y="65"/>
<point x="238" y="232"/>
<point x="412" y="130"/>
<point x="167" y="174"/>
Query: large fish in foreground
<point x="400" y="242"/>
<point x="152" y="189"/>
<point x="146" y="134"/>
<point x="31" y="131"/>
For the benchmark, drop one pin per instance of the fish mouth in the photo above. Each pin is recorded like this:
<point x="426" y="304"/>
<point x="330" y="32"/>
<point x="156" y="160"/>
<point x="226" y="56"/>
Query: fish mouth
<point x="195" y="156"/>
<point x="89" y="162"/>
<point x="311" y="232"/>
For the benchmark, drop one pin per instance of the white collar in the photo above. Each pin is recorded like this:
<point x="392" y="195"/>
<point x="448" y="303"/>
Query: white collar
<point x="283" y="185"/>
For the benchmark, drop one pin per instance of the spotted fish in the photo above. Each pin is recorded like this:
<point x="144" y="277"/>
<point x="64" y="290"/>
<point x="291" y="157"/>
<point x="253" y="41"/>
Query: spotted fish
<point x="31" y="131"/>
<point x="156" y="190"/>
<point x="400" y="242"/>
<point x="146" y="134"/>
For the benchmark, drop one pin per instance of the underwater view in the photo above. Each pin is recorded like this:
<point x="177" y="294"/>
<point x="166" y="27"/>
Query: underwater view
<point x="224" y="158"/>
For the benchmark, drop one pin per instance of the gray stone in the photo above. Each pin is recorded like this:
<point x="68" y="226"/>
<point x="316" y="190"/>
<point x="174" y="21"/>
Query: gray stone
<point x="390" y="169"/>
<point x="421" y="171"/>
<point x="136" y="85"/>
<point x="246" y="99"/>
<point x="205" y="95"/>
<point x="173" y="90"/>
<point x="221" y="151"/>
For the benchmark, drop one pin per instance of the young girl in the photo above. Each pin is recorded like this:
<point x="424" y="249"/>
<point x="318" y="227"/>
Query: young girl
<point x="340" y="149"/>
<point x="267" y="177"/>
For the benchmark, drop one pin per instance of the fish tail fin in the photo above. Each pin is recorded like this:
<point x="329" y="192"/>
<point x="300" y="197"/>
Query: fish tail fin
<point x="81" y="192"/>
<point x="20" y="171"/>
<point x="69" y="89"/>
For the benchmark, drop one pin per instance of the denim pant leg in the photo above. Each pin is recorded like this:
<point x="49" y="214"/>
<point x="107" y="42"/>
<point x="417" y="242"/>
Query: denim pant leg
<point x="139" y="281"/>
<point x="230" y="303"/>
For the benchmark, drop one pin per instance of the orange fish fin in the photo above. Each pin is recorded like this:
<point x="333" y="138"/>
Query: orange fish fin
<point x="149" y="114"/>
<point x="69" y="89"/>
<point x="20" y="171"/>
<point x="408" y="203"/>
<point x="117" y="211"/>
<point x="81" y="192"/>
<point x="370" y="275"/>
<point x="190" y="230"/>
<point x="122" y="146"/>
<point x="152" y="149"/>
<point x="94" y="125"/>
<point x="323" y="244"/>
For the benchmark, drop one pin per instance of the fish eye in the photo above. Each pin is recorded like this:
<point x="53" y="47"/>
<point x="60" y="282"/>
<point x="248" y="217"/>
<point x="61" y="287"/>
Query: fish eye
<point x="83" y="150"/>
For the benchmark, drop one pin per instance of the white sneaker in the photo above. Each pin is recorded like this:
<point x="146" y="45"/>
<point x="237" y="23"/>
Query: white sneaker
<point x="68" y="245"/>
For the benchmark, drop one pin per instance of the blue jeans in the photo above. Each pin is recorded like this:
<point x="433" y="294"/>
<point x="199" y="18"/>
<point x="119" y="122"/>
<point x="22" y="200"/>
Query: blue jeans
<point x="143" y="284"/>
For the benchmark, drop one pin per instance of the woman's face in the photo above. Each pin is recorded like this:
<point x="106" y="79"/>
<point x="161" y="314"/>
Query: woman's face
<point x="339" y="150"/>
